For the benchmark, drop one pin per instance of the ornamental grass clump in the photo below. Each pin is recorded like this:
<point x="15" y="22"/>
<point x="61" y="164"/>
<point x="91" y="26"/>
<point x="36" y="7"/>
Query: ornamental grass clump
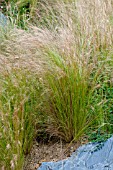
<point x="19" y="91"/>
<point x="68" y="98"/>
<point x="78" y="60"/>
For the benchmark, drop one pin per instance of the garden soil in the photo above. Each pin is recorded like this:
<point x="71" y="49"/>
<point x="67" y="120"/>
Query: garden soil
<point x="50" y="151"/>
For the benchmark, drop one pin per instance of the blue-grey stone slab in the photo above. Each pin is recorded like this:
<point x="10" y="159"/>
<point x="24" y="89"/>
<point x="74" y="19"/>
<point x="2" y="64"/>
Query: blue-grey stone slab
<point x="92" y="156"/>
<point x="3" y="20"/>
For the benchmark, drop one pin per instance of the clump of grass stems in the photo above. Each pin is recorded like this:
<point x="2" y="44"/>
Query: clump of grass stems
<point x="84" y="41"/>
<point x="19" y="11"/>
<point x="19" y="92"/>
<point x="70" y="100"/>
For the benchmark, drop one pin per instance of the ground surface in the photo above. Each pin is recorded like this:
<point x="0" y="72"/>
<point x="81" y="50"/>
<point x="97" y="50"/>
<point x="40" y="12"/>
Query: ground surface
<point x="51" y="151"/>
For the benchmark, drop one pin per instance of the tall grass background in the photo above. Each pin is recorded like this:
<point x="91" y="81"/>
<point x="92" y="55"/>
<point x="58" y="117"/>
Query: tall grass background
<point x="56" y="70"/>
